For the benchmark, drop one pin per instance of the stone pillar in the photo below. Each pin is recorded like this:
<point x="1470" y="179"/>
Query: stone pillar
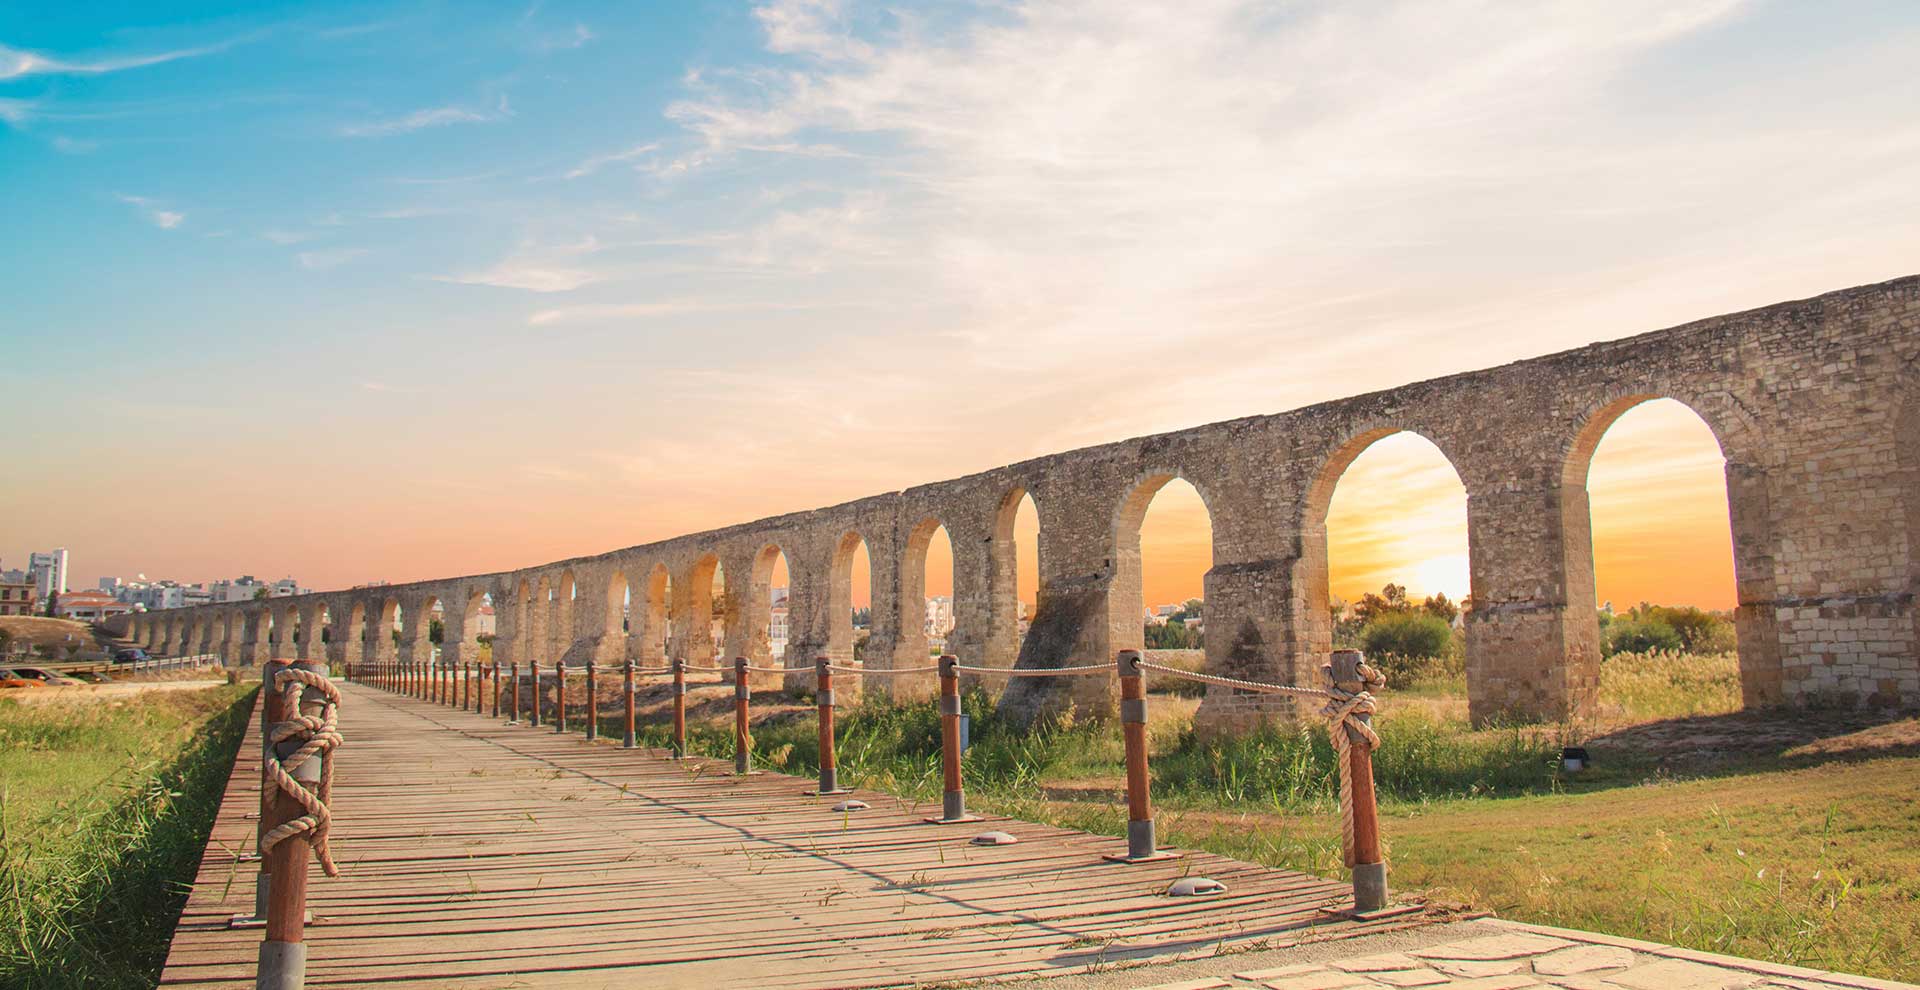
<point x="1072" y="619"/>
<point x="256" y="644"/>
<point x="1533" y="648"/>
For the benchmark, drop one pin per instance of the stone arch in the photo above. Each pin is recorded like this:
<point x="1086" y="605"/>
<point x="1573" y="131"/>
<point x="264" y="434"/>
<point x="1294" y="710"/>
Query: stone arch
<point x="766" y="640"/>
<point x="417" y="633"/>
<point x="915" y="641"/>
<point x="382" y="627"/>
<point x="840" y="595"/>
<point x="617" y="631"/>
<point x="287" y="627"/>
<point x="472" y="619"/>
<point x="657" y="626"/>
<point x="1126" y="593"/>
<point x="353" y="635"/>
<point x="1003" y="576"/>
<point x="1316" y="504"/>
<point x="540" y="616"/>
<point x="317" y="623"/>
<point x="523" y="611"/>
<point x="1754" y="622"/>
<point x="562" y="634"/>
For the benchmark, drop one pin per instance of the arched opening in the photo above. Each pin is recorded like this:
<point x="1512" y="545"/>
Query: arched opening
<point x="1016" y="576"/>
<point x="392" y="620"/>
<point x="322" y="636"/>
<point x="658" y="627"/>
<point x="1165" y="546"/>
<point x="1657" y="544"/>
<point x="849" y="598"/>
<point x="429" y="640"/>
<point x="615" y="634"/>
<point x="768" y="600"/>
<point x="926" y="592"/>
<point x="292" y="633"/>
<point x="477" y="624"/>
<point x="355" y="633"/>
<point x="1386" y="541"/>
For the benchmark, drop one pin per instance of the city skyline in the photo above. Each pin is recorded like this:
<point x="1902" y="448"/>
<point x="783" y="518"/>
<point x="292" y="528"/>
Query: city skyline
<point x="392" y="292"/>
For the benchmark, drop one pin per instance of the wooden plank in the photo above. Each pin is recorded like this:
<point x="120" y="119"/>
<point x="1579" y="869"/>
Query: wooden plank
<point x="482" y="855"/>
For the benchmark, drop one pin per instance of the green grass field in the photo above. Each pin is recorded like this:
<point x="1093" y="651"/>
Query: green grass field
<point x="1792" y="837"/>
<point x="104" y="809"/>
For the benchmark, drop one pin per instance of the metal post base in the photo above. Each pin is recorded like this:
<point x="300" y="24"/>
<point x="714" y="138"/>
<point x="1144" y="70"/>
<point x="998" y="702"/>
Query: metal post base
<point x="829" y="784"/>
<point x="1140" y="846"/>
<point x="1369" y="886"/>
<point x="953" y="810"/>
<point x="283" y="966"/>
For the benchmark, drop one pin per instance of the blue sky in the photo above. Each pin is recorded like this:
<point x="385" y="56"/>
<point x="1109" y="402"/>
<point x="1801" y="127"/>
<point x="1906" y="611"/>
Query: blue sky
<point x="600" y="273"/>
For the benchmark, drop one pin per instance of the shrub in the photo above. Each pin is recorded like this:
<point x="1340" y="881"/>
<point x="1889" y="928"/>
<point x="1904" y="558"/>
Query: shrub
<point x="1407" y="635"/>
<point x="1627" y="634"/>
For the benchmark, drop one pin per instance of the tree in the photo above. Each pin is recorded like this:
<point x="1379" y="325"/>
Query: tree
<point x="436" y="631"/>
<point x="53" y="604"/>
<point x="1440" y="608"/>
<point x="1172" y="635"/>
<point x="1634" y="633"/>
<point x="259" y="593"/>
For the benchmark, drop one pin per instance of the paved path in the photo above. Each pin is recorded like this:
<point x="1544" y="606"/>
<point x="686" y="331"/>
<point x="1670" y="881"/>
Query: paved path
<point x="479" y="854"/>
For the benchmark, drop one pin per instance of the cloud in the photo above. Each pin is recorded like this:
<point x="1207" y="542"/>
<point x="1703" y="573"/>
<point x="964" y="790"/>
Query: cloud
<point x="17" y="63"/>
<point x="597" y="162"/>
<point x="523" y="275"/>
<point x="73" y="146"/>
<point x="17" y="112"/>
<point x="162" y="218"/>
<point x="648" y="310"/>
<point x="427" y="118"/>
<point x="578" y="37"/>
<point x="315" y="261"/>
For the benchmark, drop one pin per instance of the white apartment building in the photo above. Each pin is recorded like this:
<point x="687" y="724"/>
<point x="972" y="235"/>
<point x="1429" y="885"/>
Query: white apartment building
<point x="49" y="571"/>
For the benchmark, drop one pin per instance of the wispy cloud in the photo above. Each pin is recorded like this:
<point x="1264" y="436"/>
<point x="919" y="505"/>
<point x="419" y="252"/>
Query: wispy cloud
<point x="15" y="111"/>
<point x="649" y="310"/>
<point x="524" y="275"/>
<point x="578" y="36"/>
<point x="597" y="162"/>
<point x="73" y="146"/>
<point x="427" y="118"/>
<point x="17" y="63"/>
<point x="332" y="258"/>
<point x="163" y="218"/>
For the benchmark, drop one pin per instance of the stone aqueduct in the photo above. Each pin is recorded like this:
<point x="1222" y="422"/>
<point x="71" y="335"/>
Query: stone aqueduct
<point x="1815" y="403"/>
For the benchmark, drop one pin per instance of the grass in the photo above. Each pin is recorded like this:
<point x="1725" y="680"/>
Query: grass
<point x="103" y="814"/>
<point x="1791" y="837"/>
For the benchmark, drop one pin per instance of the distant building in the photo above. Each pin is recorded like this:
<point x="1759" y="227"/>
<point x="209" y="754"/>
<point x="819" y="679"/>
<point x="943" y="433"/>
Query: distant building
<point x="91" y="606"/>
<point x="110" y="585"/>
<point x="241" y="589"/>
<point x="286" y="587"/>
<point x="19" y="597"/>
<point x="483" y="623"/>
<point x="777" y="627"/>
<point x="49" y="571"/>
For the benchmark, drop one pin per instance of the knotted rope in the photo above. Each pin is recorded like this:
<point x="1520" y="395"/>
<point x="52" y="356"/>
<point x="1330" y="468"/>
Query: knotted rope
<point x="1346" y="702"/>
<point x="320" y="735"/>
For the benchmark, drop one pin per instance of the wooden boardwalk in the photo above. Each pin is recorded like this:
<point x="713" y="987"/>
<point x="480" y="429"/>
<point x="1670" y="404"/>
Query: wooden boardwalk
<point x="478" y="854"/>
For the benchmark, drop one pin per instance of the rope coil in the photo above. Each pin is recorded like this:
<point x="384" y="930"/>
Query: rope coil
<point x="1346" y="702"/>
<point x="320" y="736"/>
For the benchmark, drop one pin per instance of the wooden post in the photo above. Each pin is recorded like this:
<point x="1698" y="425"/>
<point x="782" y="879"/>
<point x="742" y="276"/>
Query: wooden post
<point x="560" y="696"/>
<point x="1141" y="847"/>
<point x="953" y="800"/>
<point x="823" y="697"/>
<point x="679" y="709"/>
<point x="742" y="739"/>
<point x="513" y="693"/>
<point x="283" y="956"/>
<point x="1369" y="868"/>
<point x="626" y="680"/>
<point x="496" y="689"/>
<point x="533" y="674"/>
<point x="593" y="704"/>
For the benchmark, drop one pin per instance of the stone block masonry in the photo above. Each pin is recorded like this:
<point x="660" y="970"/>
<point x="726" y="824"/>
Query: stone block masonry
<point x="1815" y="403"/>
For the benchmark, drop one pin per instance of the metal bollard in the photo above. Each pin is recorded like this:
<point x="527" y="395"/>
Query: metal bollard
<point x="953" y="803"/>
<point x="679" y="709"/>
<point x="823" y="697"/>
<point x="513" y="693"/>
<point x="560" y="696"/>
<point x="742" y="739"/>
<point x="593" y="704"/>
<point x="1133" y="726"/>
<point x="1369" y="866"/>
<point x="533" y="675"/>
<point x="496" y="689"/>
<point x="626" y="678"/>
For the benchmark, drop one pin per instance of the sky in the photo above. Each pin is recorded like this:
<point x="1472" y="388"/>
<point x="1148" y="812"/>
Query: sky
<point x="391" y="291"/>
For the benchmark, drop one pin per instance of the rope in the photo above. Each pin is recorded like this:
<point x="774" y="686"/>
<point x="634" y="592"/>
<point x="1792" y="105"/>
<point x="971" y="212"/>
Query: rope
<point x="320" y="736"/>
<point x="1346" y="702"/>
<point x="1233" y="682"/>
<point x="779" y="670"/>
<point x="1092" y="668"/>
<point x="889" y="671"/>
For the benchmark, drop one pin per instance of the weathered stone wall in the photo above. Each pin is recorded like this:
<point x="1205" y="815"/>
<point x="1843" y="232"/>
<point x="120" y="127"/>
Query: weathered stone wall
<point x="1816" y="405"/>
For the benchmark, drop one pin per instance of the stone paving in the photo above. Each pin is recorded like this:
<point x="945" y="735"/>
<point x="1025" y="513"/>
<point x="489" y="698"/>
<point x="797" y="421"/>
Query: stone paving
<point x="1507" y="956"/>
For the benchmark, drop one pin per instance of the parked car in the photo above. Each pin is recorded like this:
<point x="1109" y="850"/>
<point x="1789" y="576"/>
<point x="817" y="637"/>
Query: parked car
<point x="132" y="654"/>
<point x="92" y="677"/>
<point x="9" y="680"/>
<point x="50" y="678"/>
